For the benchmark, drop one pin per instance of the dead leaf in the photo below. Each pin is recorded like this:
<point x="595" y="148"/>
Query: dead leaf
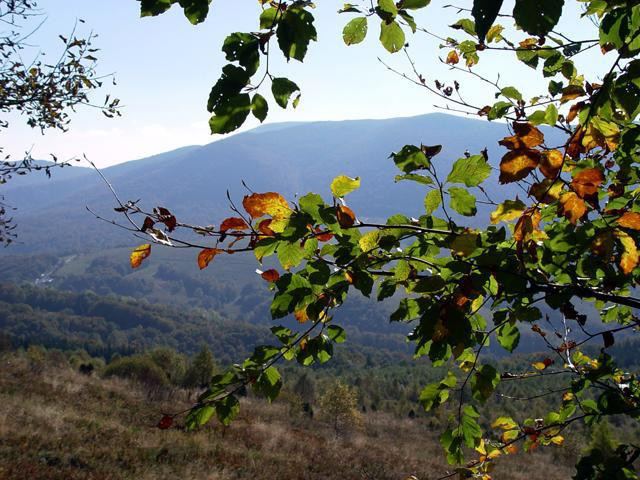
<point x="587" y="182"/>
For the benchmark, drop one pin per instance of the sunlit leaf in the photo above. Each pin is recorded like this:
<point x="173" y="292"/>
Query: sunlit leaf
<point x="343" y="185"/>
<point x="517" y="164"/>
<point x="572" y="207"/>
<point x="139" y="254"/>
<point x="508" y="210"/>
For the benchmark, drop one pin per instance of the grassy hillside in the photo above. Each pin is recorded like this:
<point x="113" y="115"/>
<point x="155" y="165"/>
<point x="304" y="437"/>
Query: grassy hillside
<point x="58" y="424"/>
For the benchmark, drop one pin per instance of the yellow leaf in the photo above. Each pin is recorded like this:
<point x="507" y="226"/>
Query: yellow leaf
<point x="369" y="241"/>
<point x="557" y="440"/>
<point x="139" y="254"/>
<point x="509" y="210"/>
<point x="343" y="185"/>
<point x="539" y="365"/>
<point x="629" y="258"/>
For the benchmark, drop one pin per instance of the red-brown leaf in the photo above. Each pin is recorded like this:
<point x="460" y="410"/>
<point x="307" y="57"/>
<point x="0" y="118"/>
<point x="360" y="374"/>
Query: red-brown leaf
<point x="346" y="217"/>
<point x="206" y="255"/>
<point x="233" y="223"/>
<point x="165" y="422"/>
<point x="271" y="275"/>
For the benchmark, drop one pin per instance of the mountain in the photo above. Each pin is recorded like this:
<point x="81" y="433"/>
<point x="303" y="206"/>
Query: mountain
<point x="288" y="158"/>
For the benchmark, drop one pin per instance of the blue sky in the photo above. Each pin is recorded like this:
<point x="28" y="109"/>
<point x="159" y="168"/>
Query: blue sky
<point x="165" y="68"/>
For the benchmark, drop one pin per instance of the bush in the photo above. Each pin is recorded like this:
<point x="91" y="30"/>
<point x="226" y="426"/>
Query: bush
<point x="139" y="369"/>
<point x="172" y="363"/>
<point x="200" y="370"/>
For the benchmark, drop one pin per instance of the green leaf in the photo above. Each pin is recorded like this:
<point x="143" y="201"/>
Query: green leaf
<point x="199" y="416"/>
<point x="227" y="409"/>
<point x="282" y="89"/>
<point x="269" y="383"/>
<point x="485" y="13"/>
<point x="259" y="107"/>
<point x="229" y="85"/>
<point x="391" y="36"/>
<point x="311" y="204"/>
<point x="484" y="382"/>
<point x="343" y="185"/>
<point x="410" y="158"/>
<point x="387" y="10"/>
<point x="551" y="115"/>
<point x="512" y="93"/>
<point x="414" y="177"/>
<point x="537" y="17"/>
<point x="230" y="115"/>
<point x="290" y="254"/>
<point x="508" y="336"/>
<point x="244" y="49"/>
<point x="467" y="25"/>
<point x="499" y="110"/>
<point x="295" y="32"/>
<point x="336" y="334"/>
<point x="268" y="18"/>
<point x="195" y="10"/>
<point x="432" y="201"/>
<point x="414" y="4"/>
<point x="355" y="31"/>
<point x="471" y="171"/>
<point x="462" y="201"/>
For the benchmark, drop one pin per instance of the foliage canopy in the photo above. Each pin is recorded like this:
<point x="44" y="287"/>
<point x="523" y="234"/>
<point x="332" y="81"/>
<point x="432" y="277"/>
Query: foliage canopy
<point x="568" y="247"/>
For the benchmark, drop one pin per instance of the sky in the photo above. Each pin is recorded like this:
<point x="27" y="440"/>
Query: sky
<point x="164" y="68"/>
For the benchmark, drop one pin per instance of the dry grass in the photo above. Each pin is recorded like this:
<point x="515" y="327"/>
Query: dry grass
<point x="58" y="424"/>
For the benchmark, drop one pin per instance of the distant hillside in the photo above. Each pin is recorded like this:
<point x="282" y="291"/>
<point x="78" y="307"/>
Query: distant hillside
<point x="290" y="158"/>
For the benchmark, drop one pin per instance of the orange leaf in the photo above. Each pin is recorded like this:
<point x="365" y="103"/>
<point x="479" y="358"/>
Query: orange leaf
<point x="270" y="203"/>
<point x="551" y="163"/>
<point x="574" y="110"/>
<point x="630" y="220"/>
<point x="572" y="207"/>
<point x="206" y="255"/>
<point x="271" y="275"/>
<point x="301" y="316"/>
<point x="518" y="164"/>
<point x="453" y="58"/>
<point x="575" y="147"/>
<point x="586" y="182"/>
<point x="321" y="235"/>
<point x="346" y="217"/>
<point x="139" y="254"/>
<point x="233" y="223"/>
<point x="526" y="136"/>
<point x="511" y="449"/>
